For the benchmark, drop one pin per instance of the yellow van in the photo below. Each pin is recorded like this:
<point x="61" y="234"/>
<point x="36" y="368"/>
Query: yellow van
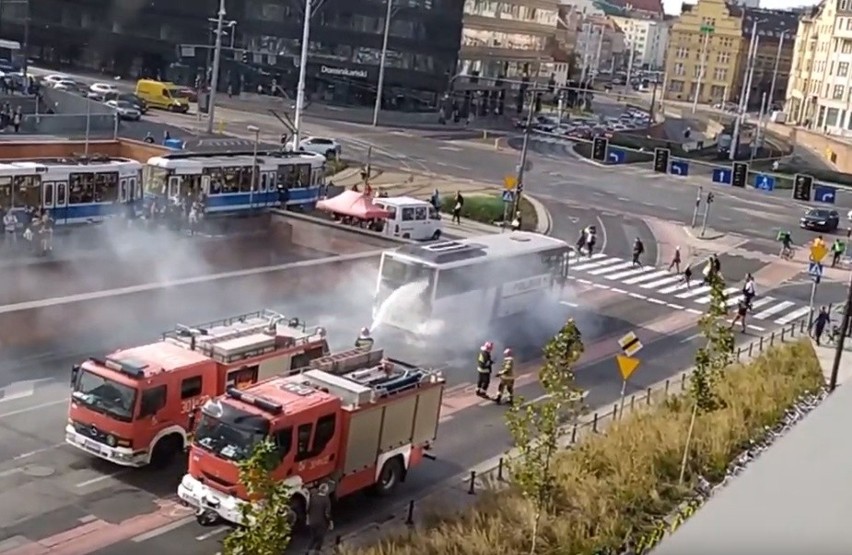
<point x="163" y="95"/>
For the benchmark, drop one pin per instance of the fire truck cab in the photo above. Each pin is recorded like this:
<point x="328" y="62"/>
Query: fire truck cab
<point x="138" y="406"/>
<point x="349" y="428"/>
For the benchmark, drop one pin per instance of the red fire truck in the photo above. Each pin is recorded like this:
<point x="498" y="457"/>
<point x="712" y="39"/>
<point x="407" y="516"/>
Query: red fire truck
<point x="360" y="424"/>
<point x="137" y="406"/>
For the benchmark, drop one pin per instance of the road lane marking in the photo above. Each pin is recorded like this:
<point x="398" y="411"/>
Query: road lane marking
<point x="162" y="530"/>
<point x="212" y="533"/>
<point x="31" y="408"/>
<point x="102" y="478"/>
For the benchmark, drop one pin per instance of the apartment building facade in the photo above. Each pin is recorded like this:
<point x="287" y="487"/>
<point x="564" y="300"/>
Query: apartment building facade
<point x="776" y="31"/>
<point x="647" y="38"/>
<point x="819" y="90"/>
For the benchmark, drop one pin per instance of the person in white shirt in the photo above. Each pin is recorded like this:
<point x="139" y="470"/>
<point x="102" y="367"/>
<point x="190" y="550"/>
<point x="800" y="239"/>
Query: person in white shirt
<point x="748" y="290"/>
<point x="10" y="228"/>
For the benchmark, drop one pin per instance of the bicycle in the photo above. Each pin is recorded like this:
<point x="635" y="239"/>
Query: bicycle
<point x="787" y="253"/>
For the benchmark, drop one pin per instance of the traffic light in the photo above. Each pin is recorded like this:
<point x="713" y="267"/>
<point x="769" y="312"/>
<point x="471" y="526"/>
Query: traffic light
<point x="802" y="186"/>
<point x="739" y="175"/>
<point x="537" y="102"/>
<point x="661" y="160"/>
<point x="245" y="56"/>
<point x="599" y="147"/>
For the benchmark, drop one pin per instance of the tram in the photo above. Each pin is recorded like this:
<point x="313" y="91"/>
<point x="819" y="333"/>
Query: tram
<point x="226" y="179"/>
<point x="75" y="190"/>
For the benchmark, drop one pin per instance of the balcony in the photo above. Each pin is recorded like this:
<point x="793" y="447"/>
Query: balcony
<point x="505" y="54"/>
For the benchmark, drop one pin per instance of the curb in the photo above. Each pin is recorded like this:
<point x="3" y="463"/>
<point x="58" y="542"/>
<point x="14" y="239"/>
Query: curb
<point x="712" y="234"/>
<point x="543" y="215"/>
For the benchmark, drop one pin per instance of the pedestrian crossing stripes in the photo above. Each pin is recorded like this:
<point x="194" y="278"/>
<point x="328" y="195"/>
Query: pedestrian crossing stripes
<point x="668" y="286"/>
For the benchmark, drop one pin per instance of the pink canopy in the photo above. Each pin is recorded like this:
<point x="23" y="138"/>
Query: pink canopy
<point x="354" y="205"/>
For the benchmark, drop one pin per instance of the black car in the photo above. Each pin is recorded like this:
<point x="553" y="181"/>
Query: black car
<point x="131" y="98"/>
<point x="820" y="219"/>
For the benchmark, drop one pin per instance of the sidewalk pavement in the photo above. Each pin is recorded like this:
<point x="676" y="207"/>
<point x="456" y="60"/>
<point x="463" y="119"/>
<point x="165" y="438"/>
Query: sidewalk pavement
<point x="826" y="353"/>
<point x="400" y="183"/>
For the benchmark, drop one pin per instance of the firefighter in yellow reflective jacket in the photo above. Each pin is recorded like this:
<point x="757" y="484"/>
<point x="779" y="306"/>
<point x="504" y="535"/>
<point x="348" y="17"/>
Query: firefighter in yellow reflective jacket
<point x="365" y="340"/>
<point x="484" y="364"/>
<point x="507" y="378"/>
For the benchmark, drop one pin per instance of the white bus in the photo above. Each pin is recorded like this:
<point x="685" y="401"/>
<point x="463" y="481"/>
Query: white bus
<point x="424" y="289"/>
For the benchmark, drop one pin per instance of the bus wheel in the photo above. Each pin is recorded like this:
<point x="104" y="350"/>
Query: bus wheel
<point x="436" y="235"/>
<point x="390" y="476"/>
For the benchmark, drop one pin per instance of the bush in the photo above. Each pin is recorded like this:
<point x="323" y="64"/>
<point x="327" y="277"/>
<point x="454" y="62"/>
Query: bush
<point x="488" y="209"/>
<point x="335" y="165"/>
<point x="615" y="486"/>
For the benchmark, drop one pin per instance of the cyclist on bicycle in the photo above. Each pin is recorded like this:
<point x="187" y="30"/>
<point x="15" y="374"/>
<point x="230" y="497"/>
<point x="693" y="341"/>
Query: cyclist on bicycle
<point x="786" y="239"/>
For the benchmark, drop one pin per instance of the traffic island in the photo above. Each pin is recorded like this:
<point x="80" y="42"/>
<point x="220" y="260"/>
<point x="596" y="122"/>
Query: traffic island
<point x="490" y="209"/>
<point x="603" y="502"/>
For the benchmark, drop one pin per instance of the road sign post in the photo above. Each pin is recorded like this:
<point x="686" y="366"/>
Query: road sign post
<point x="627" y="363"/>
<point x="710" y="198"/>
<point x="697" y="206"/>
<point x="815" y="271"/>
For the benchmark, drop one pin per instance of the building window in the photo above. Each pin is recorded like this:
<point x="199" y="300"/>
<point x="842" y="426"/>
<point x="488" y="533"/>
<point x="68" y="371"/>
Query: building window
<point x="679" y="70"/>
<point x="843" y="5"/>
<point x="831" y="117"/>
<point x="847" y="47"/>
<point x="717" y="91"/>
<point x="838" y="92"/>
<point x="676" y="86"/>
<point x="723" y="58"/>
<point x="842" y="69"/>
<point x="720" y="74"/>
<point x="697" y="71"/>
<point x="682" y="52"/>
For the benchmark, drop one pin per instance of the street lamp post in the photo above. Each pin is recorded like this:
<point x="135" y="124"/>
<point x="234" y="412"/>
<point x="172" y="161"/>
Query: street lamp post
<point x="706" y="30"/>
<point x="519" y="183"/>
<point x="381" y="84"/>
<point x="744" y="92"/>
<point x="217" y="60"/>
<point x="775" y="68"/>
<point x="256" y="130"/>
<point x="303" y="72"/>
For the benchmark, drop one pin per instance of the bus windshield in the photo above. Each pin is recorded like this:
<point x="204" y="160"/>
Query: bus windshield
<point x="405" y="290"/>
<point x="228" y="432"/>
<point x="104" y="395"/>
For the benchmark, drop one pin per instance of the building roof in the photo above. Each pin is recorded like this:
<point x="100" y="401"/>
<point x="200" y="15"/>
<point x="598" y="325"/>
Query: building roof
<point x="630" y="8"/>
<point x="771" y="23"/>
<point x="792" y="499"/>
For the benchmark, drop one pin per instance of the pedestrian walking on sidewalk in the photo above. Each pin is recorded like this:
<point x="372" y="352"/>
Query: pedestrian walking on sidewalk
<point x="822" y="320"/>
<point x="457" y="208"/>
<point x="319" y="519"/>
<point x="687" y="277"/>
<point x="675" y="263"/>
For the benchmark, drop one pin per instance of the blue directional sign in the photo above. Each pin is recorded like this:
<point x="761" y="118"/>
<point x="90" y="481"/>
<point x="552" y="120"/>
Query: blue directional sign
<point x="722" y="175"/>
<point x="508" y="196"/>
<point x="615" y="156"/>
<point x="679" y="167"/>
<point x="826" y="194"/>
<point x="764" y="182"/>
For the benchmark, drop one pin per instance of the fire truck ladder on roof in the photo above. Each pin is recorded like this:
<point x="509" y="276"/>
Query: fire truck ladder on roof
<point x="209" y="338"/>
<point x="345" y="361"/>
<point x="362" y="387"/>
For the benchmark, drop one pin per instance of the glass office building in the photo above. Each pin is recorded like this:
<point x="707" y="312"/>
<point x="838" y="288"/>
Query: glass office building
<point x="155" y="37"/>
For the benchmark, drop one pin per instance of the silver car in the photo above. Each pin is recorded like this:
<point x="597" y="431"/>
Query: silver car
<point x="126" y="110"/>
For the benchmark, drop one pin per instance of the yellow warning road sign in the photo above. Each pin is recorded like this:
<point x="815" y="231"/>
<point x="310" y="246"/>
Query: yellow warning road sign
<point x="818" y="251"/>
<point x="630" y="344"/>
<point x="626" y="365"/>
<point x="510" y="181"/>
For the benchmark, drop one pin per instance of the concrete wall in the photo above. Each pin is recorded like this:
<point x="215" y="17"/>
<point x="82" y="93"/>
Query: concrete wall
<point x="836" y="153"/>
<point x="71" y="112"/>
<point x="123" y="148"/>
<point x="326" y="236"/>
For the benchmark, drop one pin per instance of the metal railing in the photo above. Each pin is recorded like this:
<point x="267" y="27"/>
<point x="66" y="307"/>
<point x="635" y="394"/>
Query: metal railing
<point x="494" y="473"/>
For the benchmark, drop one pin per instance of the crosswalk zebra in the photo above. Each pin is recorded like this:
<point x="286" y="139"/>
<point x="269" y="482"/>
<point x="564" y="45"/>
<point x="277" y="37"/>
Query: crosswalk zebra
<point x="668" y="285"/>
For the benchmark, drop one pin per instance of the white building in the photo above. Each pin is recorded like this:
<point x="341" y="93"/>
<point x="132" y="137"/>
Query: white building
<point x="648" y="39"/>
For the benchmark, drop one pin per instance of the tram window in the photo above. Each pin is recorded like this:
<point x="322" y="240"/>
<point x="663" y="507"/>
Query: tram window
<point x="231" y="180"/>
<point x="5" y="192"/>
<point x="216" y="180"/>
<point x="304" y="179"/>
<point x="62" y="191"/>
<point x="106" y="187"/>
<point x="48" y="193"/>
<point x="26" y="191"/>
<point x="245" y="180"/>
<point x="81" y="188"/>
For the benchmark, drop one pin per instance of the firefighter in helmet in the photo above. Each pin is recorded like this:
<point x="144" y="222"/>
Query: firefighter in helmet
<point x="507" y="378"/>
<point x="365" y="340"/>
<point x="484" y="364"/>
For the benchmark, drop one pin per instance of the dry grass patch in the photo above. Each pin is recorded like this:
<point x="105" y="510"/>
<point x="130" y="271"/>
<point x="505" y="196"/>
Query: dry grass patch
<point x="613" y="486"/>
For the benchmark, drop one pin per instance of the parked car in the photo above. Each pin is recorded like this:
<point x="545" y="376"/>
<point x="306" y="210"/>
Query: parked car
<point x="52" y="79"/>
<point x="65" y="85"/>
<point x="820" y="219"/>
<point x="103" y="88"/>
<point x="126" y="110"/>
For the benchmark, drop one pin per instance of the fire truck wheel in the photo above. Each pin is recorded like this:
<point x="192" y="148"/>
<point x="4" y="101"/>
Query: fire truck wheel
<point x="390" y="476"/>
<point x="165" y="451"/>
<point x="298" y="512"/>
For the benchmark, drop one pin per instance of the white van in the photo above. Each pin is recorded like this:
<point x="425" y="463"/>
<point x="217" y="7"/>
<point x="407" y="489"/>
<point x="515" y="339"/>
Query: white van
<point x="410" y="218"/>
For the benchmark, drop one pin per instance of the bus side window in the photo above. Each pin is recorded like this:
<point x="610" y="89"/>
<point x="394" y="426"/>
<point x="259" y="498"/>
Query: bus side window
<point x="283" y="442"/>
<point x="407" y="214"/>
<point x="303" y="442"/>
<point x="391" y="212"/>
<point x="420" y="213"/>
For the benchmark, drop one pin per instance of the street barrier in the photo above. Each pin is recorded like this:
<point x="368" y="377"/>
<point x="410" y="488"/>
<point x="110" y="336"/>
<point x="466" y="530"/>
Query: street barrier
<point x="492" y="474"/>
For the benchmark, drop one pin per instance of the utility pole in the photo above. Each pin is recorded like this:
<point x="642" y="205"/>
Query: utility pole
<point x="519" y="183"/>
<point x="735" y="138"/>
<point x="586" y="40"/>
<point x="841" y="341"/>
<point x="303" y="72"/>
<point x="755" y="143"/>
<point x="381" y="83"/>
<point x="217" y="60"/>
<point x="706" y="30"/>
<point x="775" y="68"/>
<point x="710" y="200"/>
<point x="627" y="86"/>
<point x="697" y="206"/>
<point x="598" y="53"/>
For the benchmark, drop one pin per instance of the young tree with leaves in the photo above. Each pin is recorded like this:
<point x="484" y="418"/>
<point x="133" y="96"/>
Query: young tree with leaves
<point x="711" y="359"/>
<point x="266" y="520"/>
<point x="535" y="428"/>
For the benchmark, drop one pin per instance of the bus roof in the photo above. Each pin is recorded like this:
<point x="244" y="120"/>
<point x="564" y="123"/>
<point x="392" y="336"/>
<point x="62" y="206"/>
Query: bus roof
<point x="450" y="254"/>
